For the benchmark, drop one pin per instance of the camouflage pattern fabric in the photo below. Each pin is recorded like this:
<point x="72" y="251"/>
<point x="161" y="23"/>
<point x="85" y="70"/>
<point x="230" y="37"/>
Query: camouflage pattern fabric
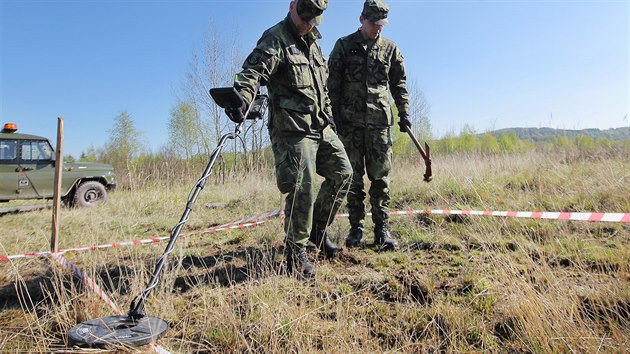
<point x="294" y="70"/>
<point x="298" y="160"/>
<point x="369" y="150"/>
<point x="362" y="76"/>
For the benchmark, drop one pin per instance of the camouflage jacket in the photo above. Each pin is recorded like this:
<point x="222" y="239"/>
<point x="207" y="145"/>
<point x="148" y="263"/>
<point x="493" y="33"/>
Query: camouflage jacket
<point x="361" y="72"/>
<point x="294" y="70"/>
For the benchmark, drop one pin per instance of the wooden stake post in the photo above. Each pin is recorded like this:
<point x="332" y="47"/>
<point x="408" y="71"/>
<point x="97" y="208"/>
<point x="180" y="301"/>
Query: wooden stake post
<point x="57" y="191"/>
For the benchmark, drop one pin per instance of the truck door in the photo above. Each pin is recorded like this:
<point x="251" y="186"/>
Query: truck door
<point x="8" y="174"/>
<point x="36" y="169"/>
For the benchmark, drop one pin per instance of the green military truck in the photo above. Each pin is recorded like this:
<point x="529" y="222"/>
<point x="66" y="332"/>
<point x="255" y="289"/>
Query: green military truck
<point x="27" y="170"/>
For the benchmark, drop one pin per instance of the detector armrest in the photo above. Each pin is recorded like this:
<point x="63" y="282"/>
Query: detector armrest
<point x="227" y="97"/>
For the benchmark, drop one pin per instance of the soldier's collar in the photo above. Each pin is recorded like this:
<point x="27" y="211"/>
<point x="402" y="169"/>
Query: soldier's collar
<point x="314" y="34"/>
<point x="357" y="36"/>
<point x="291" y="26"/>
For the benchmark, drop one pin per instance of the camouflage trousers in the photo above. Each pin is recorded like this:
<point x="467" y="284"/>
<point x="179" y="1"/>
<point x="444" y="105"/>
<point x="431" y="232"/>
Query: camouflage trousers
<point x="298" y="160"/>
<point x="369" y="150"/>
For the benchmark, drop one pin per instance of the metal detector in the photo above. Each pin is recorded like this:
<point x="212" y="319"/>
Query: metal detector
<point x="137" y="329"/>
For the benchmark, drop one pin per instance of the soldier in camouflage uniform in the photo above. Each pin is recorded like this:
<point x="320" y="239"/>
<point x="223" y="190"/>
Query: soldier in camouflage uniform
<point x="364" y="69"/>
<point x="289" y="61"/>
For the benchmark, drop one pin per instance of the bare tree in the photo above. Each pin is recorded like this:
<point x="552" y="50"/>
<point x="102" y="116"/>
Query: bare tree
<point x="213" y="66"/>
<point x="420" y="112"/>
<point x="257" y="138"/>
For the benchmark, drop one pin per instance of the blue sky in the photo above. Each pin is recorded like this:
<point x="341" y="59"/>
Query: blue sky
<point x="485" y="64"/>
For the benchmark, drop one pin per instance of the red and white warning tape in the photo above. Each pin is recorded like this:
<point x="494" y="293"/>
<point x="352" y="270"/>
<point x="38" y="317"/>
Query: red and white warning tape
<point x="604" y="217"/>
<point x="159" y="349"/>
<point x="89" y="282"/>
<point x="258" y="220"/>
<point x="240" y="224"/>
<point x="58" y="257"/>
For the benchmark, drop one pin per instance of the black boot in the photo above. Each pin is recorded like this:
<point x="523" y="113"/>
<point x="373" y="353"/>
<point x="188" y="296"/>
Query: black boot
<point x="354" y="237"/>
<point x="323" y="243"/>
<point x="298" y="262"/>
<point x="383" y="238"/>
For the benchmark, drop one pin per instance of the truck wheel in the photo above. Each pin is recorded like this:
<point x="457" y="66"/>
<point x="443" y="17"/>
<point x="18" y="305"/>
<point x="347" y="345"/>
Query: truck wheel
<point x="89" y="193"/>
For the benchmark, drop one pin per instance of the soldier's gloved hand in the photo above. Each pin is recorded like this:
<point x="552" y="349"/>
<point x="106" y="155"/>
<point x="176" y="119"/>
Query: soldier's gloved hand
<point x="404" y="124"/>
<point x="236" y="114"/>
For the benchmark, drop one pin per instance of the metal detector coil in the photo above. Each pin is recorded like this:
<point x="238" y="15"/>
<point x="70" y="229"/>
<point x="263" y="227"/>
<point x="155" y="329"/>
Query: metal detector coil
<point x="117" y="330"/>
<point x="136" y="329"/>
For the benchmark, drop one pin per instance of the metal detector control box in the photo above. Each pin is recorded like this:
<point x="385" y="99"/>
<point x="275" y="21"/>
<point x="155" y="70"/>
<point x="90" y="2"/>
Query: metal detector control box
<point x="229" y="97"/>
<point x="258" y="107"/>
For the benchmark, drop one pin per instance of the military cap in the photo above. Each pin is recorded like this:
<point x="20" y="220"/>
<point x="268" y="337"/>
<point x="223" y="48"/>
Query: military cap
<point x="375" y="11"/>
<point x="311" y="11"/>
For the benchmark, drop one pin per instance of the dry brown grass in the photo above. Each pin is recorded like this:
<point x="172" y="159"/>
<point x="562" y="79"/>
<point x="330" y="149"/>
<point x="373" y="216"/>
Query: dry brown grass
<point x="475" y="284"/>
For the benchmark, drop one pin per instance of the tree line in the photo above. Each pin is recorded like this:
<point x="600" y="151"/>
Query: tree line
<point x="196" y="124"/>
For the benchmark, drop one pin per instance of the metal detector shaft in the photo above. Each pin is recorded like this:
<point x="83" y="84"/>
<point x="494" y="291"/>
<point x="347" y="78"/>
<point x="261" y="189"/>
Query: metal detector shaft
<point x="425" y="153"/>
<point x="136" y="310"/>
<point x="136" y="328"/>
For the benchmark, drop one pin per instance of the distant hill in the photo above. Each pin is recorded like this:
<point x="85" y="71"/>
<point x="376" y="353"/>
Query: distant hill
<point x="543" y="134"/>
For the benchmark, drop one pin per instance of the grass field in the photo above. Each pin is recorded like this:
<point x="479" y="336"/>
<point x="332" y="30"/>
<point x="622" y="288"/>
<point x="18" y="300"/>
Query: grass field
<point x="457" y="284"/>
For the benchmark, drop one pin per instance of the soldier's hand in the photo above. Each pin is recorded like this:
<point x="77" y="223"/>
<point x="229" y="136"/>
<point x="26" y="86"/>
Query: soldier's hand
<point x="236" y="114"/>
<point x="404" y="124"/>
